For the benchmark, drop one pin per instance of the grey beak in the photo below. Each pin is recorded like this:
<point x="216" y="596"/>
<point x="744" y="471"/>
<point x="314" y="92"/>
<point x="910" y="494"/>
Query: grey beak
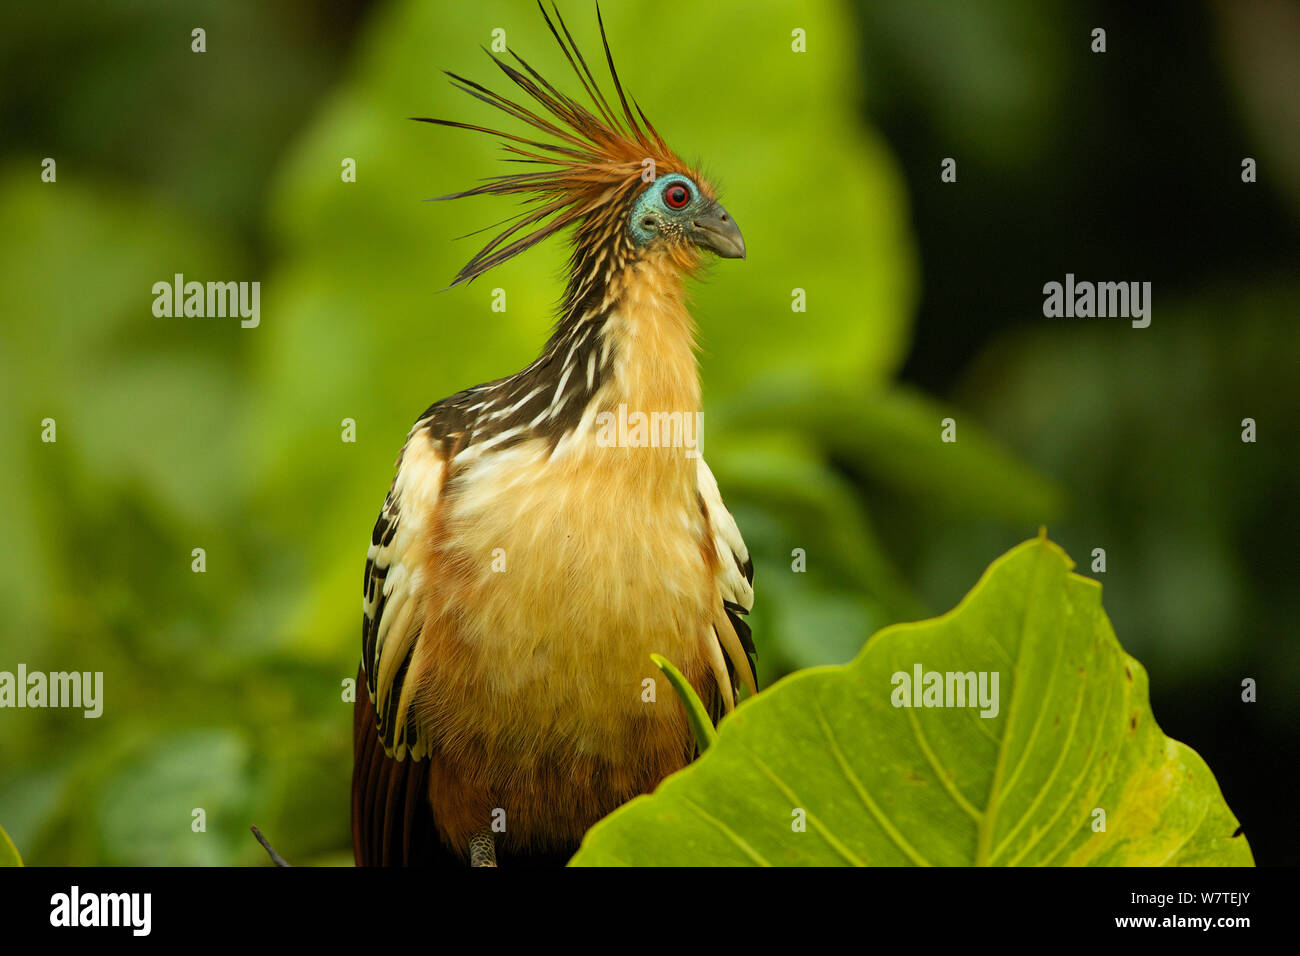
<point x="714" y="229"/>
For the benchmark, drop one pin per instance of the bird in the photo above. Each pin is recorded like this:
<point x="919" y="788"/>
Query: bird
<point x="537" y="543"/>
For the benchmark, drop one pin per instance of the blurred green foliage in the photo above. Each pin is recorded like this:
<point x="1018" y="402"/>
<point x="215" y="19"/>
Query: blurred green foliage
<point x="223" y="690"/>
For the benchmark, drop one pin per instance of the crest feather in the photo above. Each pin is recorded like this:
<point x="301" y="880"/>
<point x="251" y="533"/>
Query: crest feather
<point x="596" y="159"/>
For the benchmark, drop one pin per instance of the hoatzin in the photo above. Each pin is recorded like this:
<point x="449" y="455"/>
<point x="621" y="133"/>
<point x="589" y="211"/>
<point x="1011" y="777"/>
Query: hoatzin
<point x="523" y="570"/>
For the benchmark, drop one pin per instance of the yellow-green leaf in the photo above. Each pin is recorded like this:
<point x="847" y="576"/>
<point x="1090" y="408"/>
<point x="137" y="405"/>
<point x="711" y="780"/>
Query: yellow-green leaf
<point x="8" y="852"/>
<point x="825" y="769"/>
<point x="701" y="725"/>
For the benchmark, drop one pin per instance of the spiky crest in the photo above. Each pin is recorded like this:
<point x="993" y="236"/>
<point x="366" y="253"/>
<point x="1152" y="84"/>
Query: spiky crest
<point x="596" y="158"/>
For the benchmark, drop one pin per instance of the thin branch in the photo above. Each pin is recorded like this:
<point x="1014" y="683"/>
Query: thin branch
<point x="276" y="858"/>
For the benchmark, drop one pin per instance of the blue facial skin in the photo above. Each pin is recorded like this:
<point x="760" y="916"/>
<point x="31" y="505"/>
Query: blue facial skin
<point x="652" y="217"/>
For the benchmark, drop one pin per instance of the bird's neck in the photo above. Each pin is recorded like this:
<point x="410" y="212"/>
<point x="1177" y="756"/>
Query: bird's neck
<point x="634" y="320"/>
<point x="652" y="339"/>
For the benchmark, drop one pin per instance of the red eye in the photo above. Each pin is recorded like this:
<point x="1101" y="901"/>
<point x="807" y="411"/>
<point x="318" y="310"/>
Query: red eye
<point x="676" y="195"/>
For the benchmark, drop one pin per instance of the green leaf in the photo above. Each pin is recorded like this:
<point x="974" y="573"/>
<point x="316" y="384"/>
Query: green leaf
<point x="8" y="852"/>
<point x="879" y="784"/>
<point x="893" y="435"/>
<point x="695" y="712"/>
<point x="812" y="507"/>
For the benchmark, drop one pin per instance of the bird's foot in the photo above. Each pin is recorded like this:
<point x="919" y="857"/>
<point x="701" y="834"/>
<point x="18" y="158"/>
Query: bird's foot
<point x="483" y="848"/>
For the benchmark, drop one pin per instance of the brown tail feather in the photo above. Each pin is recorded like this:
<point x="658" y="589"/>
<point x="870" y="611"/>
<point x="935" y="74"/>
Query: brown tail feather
<point x="392" y="823"/>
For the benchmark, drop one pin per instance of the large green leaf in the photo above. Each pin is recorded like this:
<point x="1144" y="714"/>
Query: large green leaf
<point x="880" y="784"/>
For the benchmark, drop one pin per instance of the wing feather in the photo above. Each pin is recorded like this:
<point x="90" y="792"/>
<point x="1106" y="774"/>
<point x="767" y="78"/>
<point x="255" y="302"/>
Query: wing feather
<point x="735" y="577"/>
<point x="392" y="822"/>
<point x="395" y="567"/>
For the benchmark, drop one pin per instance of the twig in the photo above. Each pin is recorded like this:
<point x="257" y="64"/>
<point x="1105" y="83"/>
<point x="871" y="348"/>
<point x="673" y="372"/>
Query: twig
<point x="276" y="858"/>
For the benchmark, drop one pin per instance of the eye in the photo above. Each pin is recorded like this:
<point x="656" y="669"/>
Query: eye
<point x="676" y="195"/>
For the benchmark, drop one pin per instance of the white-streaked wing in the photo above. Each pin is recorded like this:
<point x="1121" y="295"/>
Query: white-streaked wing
<point x="735" y="577"/>
<point x="392" y="601"/>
